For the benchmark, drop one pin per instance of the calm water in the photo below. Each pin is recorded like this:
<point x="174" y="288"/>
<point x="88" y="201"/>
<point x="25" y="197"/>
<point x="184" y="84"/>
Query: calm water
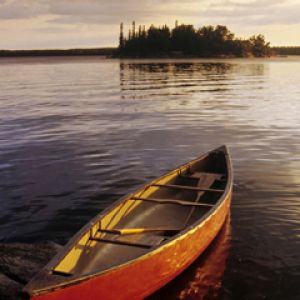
<point x="78" y="133"/>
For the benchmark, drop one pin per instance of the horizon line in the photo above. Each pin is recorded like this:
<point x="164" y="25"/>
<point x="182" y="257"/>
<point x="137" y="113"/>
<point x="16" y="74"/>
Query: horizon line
<point x="106" y="47"/>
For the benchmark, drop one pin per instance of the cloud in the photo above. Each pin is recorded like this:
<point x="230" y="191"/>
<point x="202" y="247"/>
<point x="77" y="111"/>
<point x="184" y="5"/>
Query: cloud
<point x="22" y="9"/>
<point x="16" y="9"/>
<point x="256" y="12"/>
<point x="112" y="12"/>
<point x="102" y="17"/>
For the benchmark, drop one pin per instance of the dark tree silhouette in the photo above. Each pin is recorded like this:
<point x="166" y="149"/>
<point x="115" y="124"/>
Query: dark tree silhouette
<point x="121" y="38"/>
<point x="287" y="50"/>
<point x="258" y="45"/>
<point x="185" y="40"/>
<point x="158" y="40"/>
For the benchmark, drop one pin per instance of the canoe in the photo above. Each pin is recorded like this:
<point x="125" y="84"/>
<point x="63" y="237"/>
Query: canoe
<point x="144" y="240"/>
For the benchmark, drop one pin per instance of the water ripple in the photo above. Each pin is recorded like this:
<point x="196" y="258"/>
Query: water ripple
<point x="77" y="134"/>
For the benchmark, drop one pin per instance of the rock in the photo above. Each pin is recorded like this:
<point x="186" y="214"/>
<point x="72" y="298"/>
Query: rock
<point x="9" y="289"/>
<point x="20" y="262"/>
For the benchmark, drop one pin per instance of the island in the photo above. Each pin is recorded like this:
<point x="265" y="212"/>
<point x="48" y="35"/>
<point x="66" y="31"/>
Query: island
<point x="187" y="41"/>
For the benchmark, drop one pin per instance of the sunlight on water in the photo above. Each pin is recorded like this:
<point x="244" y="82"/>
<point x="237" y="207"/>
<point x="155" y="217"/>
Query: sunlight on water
<point x="203" y="280"/>
<point x="78" y="133"/>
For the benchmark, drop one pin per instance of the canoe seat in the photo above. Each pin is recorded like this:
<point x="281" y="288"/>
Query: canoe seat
<point x="134" y="240"/>
<point x="204" y="180"/>
<point x="198" y="175"/>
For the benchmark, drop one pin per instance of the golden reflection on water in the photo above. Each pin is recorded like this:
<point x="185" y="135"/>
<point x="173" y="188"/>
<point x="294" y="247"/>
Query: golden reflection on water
<point x="203" y="279"/>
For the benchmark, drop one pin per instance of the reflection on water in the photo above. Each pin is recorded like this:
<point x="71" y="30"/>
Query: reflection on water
<point x="203" y="279"/>
<point x="173" y="79"/>
<point x="78" y="133"/>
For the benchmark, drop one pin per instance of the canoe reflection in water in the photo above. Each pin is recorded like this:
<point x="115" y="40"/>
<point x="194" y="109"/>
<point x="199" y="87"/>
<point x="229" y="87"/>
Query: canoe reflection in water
<point x="203" y="279"/>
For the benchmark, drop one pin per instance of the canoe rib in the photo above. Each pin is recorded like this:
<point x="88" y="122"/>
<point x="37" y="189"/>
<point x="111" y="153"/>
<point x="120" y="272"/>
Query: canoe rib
<point x="172" y="201"/>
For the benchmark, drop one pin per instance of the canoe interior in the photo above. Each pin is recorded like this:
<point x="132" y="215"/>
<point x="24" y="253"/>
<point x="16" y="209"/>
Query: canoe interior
<point x="99" y="248"/>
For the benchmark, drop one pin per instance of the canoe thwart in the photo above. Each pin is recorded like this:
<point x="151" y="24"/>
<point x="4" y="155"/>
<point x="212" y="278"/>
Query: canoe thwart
<point x="127" y="231"/>
<point x="142" y="241"/>
<point x="186" y="187"/>
<point x="172" y="201"/>
<point x="120" y="242"/>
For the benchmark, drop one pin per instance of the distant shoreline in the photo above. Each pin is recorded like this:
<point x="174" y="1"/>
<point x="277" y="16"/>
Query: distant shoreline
<point x="112" y="52"/>
<point x="109" y="51"/>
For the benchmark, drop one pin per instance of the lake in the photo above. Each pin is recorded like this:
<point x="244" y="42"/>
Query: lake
<point x="76" y="134"/>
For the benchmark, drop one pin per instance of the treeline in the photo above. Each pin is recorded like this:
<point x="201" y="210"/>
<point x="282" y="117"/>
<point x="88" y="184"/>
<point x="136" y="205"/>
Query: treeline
<point x="58" y="52"/>
<point x="287" y="50"/>
<point x="185" y="40"/>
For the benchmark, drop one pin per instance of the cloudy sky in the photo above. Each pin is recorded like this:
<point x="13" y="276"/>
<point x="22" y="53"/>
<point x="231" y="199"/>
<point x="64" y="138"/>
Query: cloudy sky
<point x="39" y="24"/>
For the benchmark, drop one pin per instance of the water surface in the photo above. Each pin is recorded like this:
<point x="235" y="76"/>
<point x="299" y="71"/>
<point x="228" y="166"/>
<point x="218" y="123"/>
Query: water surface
<point x="78" y="133"/>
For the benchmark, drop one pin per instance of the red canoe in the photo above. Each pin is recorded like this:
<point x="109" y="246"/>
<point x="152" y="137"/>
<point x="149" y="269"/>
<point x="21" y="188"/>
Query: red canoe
<point x="145" y="239"/>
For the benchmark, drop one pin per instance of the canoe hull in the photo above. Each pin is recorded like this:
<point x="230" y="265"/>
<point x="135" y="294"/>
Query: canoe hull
<point x="143" y="276"/>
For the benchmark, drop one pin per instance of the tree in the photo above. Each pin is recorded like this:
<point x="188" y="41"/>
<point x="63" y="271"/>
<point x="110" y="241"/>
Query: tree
<point x="158" y="39"/>
<point x="121" y="38"/>
<point x="184" y="38"/>
<point x="259" y="47"/>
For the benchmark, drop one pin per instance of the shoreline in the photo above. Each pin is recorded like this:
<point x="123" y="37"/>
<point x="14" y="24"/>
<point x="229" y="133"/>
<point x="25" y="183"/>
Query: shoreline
<point x="112" y="52"/>
<point x="109" y="51"/>
<point x="159" y="60"/>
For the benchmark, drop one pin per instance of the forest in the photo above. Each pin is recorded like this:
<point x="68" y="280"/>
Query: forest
<point x="108" y="51"/>
<point x="185" y="40"/>
<point x="287" y="50"/>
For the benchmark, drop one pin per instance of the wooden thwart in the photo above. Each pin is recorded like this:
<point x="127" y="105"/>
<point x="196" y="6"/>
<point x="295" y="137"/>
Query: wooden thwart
<point x="191" y="188"/>
<point x="172" y="201"/>
<point x="128" y="231"/>
<point x="119" y="242"/>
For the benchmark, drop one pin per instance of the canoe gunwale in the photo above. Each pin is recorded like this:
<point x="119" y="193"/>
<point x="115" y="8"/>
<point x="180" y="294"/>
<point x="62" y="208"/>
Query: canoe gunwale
<point x="77" y="279"/>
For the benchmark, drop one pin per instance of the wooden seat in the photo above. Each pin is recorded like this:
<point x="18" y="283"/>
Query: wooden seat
<point x="199" y="175"/>
<point x="205" y="179"/>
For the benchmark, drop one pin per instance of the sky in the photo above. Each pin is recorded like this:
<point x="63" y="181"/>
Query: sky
<point x="42" y="24"/>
